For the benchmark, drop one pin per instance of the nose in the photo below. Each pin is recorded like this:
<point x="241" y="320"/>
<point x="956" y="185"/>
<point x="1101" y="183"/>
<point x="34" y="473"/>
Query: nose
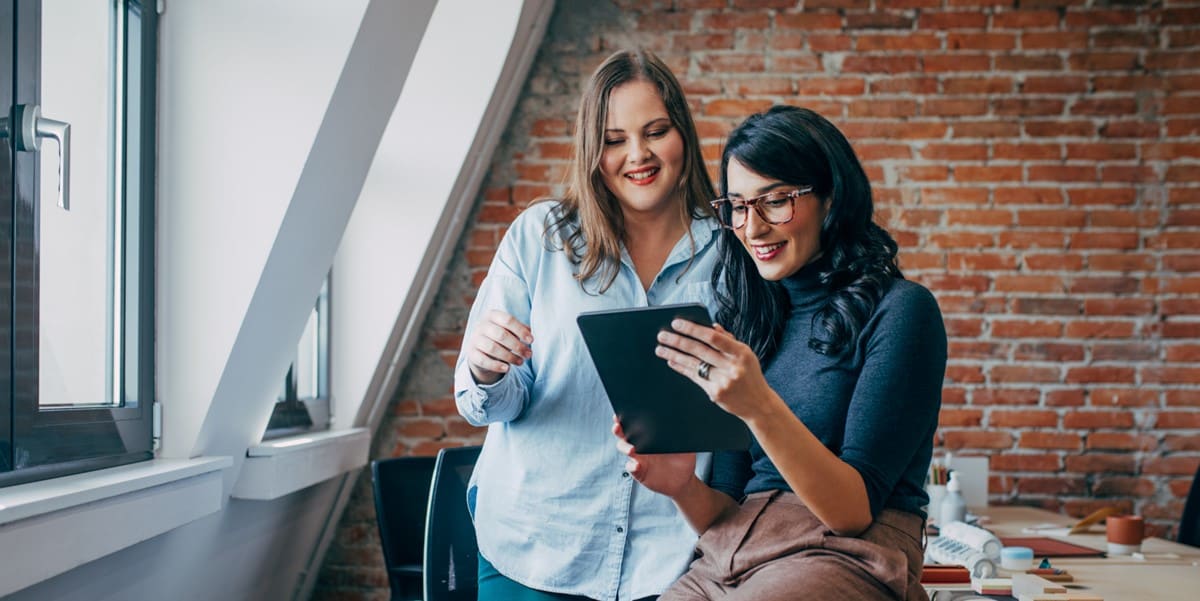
<point x="755" y="225"/>
<point x="639" y="150"/>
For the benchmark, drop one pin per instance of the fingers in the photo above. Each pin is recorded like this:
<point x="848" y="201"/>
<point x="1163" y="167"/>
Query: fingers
<point x="716" y="337"/>
<point x="689" y="346"/>
<point x="510" y="323"/>
<point x="498" y="342"/>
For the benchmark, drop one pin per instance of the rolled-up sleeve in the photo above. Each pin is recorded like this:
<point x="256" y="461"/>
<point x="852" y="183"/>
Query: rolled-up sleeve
<point x="504" y="289"/>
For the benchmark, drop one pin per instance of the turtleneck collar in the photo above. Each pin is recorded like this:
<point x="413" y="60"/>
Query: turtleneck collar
<point x="804" y="286"/>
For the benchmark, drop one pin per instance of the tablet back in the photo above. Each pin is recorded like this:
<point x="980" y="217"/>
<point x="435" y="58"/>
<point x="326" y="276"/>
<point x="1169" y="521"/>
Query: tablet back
<point x="660" y="410"/>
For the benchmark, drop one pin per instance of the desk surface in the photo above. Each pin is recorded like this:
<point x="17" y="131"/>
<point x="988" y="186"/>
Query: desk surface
<point x="1114" y="578"/>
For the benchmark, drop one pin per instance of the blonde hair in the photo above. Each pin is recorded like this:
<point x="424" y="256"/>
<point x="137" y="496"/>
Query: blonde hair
<point x="589" y="222"/>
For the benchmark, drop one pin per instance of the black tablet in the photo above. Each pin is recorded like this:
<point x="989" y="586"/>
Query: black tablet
<point x="660" y="410"/>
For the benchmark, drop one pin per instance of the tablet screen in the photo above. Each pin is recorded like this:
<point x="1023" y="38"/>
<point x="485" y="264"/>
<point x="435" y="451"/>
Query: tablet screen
<point x="660" y="410"/>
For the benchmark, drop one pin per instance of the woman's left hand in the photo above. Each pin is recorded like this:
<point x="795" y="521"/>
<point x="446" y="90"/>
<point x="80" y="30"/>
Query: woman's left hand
<point x="733" y="378"/>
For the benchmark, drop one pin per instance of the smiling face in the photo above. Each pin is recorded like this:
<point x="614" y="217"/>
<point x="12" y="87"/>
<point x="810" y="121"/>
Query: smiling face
<point x="643" y="152"/>
<point x="778" y="250"/>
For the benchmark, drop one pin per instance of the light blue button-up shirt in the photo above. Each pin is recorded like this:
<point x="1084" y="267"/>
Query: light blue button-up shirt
<point x="554" y="508"/>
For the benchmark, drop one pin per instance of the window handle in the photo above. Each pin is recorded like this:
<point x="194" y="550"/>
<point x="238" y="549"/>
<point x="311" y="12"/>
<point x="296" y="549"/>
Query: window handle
<point x="31" y="126"/>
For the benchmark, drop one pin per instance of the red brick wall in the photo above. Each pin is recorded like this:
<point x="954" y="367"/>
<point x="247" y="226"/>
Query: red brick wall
<point x="1040" y="168"/>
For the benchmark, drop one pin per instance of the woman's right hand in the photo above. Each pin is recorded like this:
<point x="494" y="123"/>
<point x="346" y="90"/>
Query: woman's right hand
<point x="498" y="342"/>
<point x="666" y="474"/>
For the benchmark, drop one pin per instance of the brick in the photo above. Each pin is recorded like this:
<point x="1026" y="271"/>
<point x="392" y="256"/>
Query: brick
<point x="1029" y="62"/>
<point x="1092" y="420"/>
<point x="956" y="440"/>
<point x="958" y="62"/>
<point x="1175" y="465"/>
<point x="959" y="417"/>
<point x="977" y="85"/>
<point x="1023" y="374"/>
<point x="986" y="129"/>
<point x="977" y="41"/>
<point x="1052" y="218"/>
<point x="1182" y="398"/>
<point x="1050" y="440"/>
<point x="1026" y="239"/>
<point x="1025" y="19"/>
<point x="952" y="20"/>
<point x="1120" y="441"/>
<point x="1051" y="485"/>
<point x="808" y="21"/>
<point x="1024" y="462"/>
<point x="953" y="196"/>
<point x="1169" y="375"/>
<point x="1105" y="374"/>
<point x="1023" y="419"/>
<point x="737" y="20"/>
<point x="955" y="107"/>
<point x="1055" y="85"/>
<point x="1123" y="486"/>
<point x="1029" y="195"/>
<point x="1048" y="351"/>
<point x="879" y="20"/>
<point x="1103" y="61"/>
<point x="1028" y="283"/>
<point x="879" y="64"/>
<point x="1059" y="128"/>
<point x="1101" y="196"/>
<point x="1048" y="306"/>
<point x="966" y="374"/>
<point x="1184" y="353"/>
<point x="981" y="262"/>
<point x="1053" y="262"/>
<point x="841" y="86"/>
<point x="1064" y="398"/>
<point x="1102" y="463"/>
<point x="1004" y="396"/>
<point x="1127" y="351"/>
<point x="735" y="108"/>
<point x="1026" y="329"/>
<point x="1054" y="40"/>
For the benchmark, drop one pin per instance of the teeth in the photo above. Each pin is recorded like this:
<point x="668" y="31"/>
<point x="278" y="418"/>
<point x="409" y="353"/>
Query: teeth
<point x="641" y="175"/>
<point x="762" y="250"/>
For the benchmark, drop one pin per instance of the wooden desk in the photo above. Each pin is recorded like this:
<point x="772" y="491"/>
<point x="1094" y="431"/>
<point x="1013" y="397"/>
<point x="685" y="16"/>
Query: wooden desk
<point x="1116" y="578"/>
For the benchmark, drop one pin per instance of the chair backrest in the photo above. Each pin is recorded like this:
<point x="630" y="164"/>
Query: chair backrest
<point x="401" y="486"/>
<point x="451" y="555"/>
<point x="1189" y="524"/>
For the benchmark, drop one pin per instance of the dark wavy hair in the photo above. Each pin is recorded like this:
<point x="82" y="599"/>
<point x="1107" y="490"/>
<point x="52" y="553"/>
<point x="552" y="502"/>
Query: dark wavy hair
<point x="798" y="146"/>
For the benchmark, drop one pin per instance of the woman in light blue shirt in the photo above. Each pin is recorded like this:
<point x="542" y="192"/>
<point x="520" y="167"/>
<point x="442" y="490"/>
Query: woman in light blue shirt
<point x="556" y="514"/>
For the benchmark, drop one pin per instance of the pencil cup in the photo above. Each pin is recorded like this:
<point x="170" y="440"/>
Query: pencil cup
<point x="1124" y="533"/>
<point x="935" y="492"/>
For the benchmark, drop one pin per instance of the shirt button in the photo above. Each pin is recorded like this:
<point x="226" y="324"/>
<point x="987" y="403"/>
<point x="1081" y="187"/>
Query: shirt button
<point x="620" y="529"/>
<point x="624" y="474"/>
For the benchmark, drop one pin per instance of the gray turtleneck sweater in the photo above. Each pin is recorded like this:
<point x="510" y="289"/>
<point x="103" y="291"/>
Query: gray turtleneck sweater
<point x="875" y="406"/>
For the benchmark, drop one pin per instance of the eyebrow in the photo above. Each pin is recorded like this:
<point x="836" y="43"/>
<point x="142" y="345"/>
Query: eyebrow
<point x="763" y="190"/>
<point x="648" y="124"/>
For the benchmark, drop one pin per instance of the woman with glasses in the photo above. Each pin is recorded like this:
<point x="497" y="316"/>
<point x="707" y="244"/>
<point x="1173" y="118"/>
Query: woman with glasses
<point x="557" y="516"/>
<point x="833" y="360"/>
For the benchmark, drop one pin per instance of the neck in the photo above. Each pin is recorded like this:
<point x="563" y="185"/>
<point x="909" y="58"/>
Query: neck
<point x="645" y="226"/>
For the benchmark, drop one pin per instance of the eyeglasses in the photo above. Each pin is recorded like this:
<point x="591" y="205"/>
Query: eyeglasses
<point x="775" y="208"/>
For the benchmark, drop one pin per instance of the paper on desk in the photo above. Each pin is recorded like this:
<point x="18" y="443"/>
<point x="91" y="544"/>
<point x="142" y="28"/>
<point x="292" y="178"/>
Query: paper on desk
<point x="1047" y="529"/>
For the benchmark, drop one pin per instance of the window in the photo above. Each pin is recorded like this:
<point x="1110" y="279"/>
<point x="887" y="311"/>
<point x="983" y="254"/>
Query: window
<point x="77" y="83"/>
<point x="303" y="401"/>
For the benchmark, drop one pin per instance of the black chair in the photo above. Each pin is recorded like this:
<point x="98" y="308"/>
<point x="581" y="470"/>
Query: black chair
<point x="451" y="554"/>
<point x="1189" y="524"/>
<point x="401" y="486"/>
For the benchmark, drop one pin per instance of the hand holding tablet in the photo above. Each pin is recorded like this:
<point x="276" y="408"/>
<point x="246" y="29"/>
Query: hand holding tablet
<point x="660" y="410"/>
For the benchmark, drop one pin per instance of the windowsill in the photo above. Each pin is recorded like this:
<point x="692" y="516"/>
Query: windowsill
<point x="105" y="511"/>
<point x="285" y="465"/>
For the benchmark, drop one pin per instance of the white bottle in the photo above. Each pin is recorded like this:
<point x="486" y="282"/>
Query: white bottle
<point x="954" y="507"/>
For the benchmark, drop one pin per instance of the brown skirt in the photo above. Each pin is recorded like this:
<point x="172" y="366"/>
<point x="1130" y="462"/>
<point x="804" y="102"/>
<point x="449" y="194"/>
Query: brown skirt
<point x="773" y="547"/>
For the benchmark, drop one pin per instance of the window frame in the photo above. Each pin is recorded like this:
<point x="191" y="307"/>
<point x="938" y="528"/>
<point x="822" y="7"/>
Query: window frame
<point x="44" y="442"/>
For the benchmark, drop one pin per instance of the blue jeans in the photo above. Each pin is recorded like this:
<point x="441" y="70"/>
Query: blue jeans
<point x="494" y="586"/>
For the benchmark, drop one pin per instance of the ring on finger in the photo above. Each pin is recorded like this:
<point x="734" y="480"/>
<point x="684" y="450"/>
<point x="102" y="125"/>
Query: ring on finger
<point x="702" y="370"/>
